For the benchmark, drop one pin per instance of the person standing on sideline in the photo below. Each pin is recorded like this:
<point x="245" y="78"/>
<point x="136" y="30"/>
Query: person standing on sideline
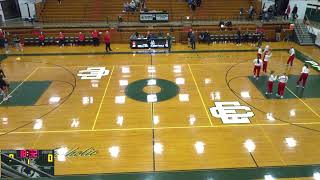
<point x="95" y="37"/>
<point x="272" y="78"/>
<point x="169" y="39"/>
<point x="107" y="41"/>
<point x="259" y="52"/>
<point x="304" y="76"/>
<point x="149" y="36"/>
<point x="292" y="53"/>
<point x="42" y="38"/>
<point x="257" y="67"/>
<point x="81" y="39"/>
<point x="193" y="41"/>
<point x="2" y="38"/>
<point x="287" y="13"/>
<point x="283" y="79"/>
<point x="294" y="12"/>
<point x="238" y="37"/>
<point x="4" y="87"/>
<point x="189" y="35"/>
<point x="265" y="60"/>
<point x="61" y="39"/>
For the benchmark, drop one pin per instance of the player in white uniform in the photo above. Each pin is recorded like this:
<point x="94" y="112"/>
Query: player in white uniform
<point x="257" y="67"/>
<point x="304" y="76"/>
<point x="259" y="54"/>
<point x="283" y="79"/>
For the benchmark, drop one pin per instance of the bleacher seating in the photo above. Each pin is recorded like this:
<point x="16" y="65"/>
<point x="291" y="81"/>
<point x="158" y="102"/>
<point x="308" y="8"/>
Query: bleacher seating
<point x="102" y="10"/>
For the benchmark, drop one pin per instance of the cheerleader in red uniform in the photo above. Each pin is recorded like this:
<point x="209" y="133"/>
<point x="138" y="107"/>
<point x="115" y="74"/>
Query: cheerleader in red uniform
<point x="272" y="78"/>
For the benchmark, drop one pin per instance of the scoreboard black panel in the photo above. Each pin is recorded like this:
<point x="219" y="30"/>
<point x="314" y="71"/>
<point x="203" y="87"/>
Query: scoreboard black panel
<point x="27" y="163"/>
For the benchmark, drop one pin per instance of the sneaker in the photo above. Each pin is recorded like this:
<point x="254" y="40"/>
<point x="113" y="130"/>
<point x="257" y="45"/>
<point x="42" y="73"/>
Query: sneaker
<point x="267" y="93"/>
<point x="257" y="78"/>
<point x="298" y="86"/>
<point x="9" y="96"/>
<point x="303" y="87"/>
<point x="281" y="97"/>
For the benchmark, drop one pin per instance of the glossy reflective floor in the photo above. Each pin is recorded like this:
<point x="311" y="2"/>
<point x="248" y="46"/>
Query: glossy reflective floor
<point x="104" y="131"/>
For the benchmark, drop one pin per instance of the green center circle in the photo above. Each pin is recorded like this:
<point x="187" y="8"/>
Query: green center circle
<point x="168" y="90"/>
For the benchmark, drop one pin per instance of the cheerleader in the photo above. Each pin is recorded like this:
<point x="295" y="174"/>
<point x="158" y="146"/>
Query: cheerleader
<point x="266" y="59"/>
<point x="259" y="52"/>
<point x="272" y="78"/>
<point x="304" y="76"/>
<point x="283" y="79"/>
<point x="257" y="67"/>
<point x="291" y="57"/>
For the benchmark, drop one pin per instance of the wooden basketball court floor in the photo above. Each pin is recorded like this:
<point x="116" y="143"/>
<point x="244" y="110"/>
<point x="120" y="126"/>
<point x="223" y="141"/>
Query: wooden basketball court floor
<point x="105" y="131"/>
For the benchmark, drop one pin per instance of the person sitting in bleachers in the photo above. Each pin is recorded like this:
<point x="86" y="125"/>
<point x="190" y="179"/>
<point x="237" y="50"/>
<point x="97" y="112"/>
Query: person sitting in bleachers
<point x="205" y="37"/>
<point x="132" y="6"/>
<point x="221" y="25"/>
<point x="228" y="25"/>
<point x="251" y="12"/>
<point x="126" y="7"/>
<point x="41" y="39"/>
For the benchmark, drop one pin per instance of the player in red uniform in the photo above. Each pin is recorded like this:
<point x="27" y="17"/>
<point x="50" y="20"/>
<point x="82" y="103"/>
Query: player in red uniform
<point x="42" y="38"/>
<point x="61" y="39"/>
<point x="95" y="37"/>
<point x="291" y="57"/>
<point x="283" y="79"/>
<point x="107" y="41"/>
<point x="270" y="82"/>
<point x="81" y="39"/>
<point x="304" y="76"/>
<point x="257" y="67"/>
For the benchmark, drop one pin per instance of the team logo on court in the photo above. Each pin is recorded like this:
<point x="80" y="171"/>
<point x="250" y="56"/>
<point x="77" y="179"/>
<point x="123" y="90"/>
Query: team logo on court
<point x="93" y="73"/>
<point x="231" y="112"/>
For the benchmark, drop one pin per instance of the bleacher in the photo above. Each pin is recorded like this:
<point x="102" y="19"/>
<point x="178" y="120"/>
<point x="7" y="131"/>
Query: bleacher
<point x="102" y="10"/>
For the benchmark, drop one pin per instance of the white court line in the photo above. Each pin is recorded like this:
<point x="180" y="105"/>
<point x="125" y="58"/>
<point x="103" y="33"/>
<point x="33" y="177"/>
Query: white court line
<point x="22" y="82"/>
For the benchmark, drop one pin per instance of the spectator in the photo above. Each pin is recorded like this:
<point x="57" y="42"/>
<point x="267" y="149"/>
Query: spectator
<point x="95" y="37"/>
<point x="107" y="41"/>
<point x="6" y="45"/>
<point x="251" y="12"/>
<point x="17" y="43"/>
<point x="42" y="38"/>
<point x="238" y="37"/>
<point x="61" y="40"/>
<point x="198" y="3"/>
<point x="149" y="36"/>
<point x="126" y="7"/>
<point x="81" y="39"/>
<point x="134" y="35"/>
<point x="2" y="38"/>
<point x="194" y="5"/>
<point x="241" y="13"/>
<point x="229" y="25"/>
<point x="189" y="35"/>
<point x="205" y="37"/>
<point x="132" y="6"/>
<point x="221" y="25"/>
<point x="169" y="39"/>
<point x="59" y="2"/>
<point x="193" y="41"/>
<point x="294" y="12"/>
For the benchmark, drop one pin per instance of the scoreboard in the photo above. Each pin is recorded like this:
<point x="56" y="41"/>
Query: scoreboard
<point x="29" y="163"/>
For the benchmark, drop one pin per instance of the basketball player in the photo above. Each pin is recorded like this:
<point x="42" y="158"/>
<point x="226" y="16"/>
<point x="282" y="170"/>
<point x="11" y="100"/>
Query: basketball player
<point x="292" y="56"/>
<point x="283" y="79"/>
<point x="266" y="59"/>
<point x="259" y="52"/>
<point x="257" y="67"/>
<point x="272" y="78"/>
<point x="304" y="76"/>
<point x="4" y="87"/>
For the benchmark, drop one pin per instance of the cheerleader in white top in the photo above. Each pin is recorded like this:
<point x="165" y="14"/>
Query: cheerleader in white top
<point x="272" y="78"/>
<point x="266" y="50"/>
<point x="292" y="53"/>
<point x="259" y="54"/>
<point x="304" y="76"/>
<point x="283" y="79"/>
<point x="257" y="67"/>
<point x="266" y="59"/>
